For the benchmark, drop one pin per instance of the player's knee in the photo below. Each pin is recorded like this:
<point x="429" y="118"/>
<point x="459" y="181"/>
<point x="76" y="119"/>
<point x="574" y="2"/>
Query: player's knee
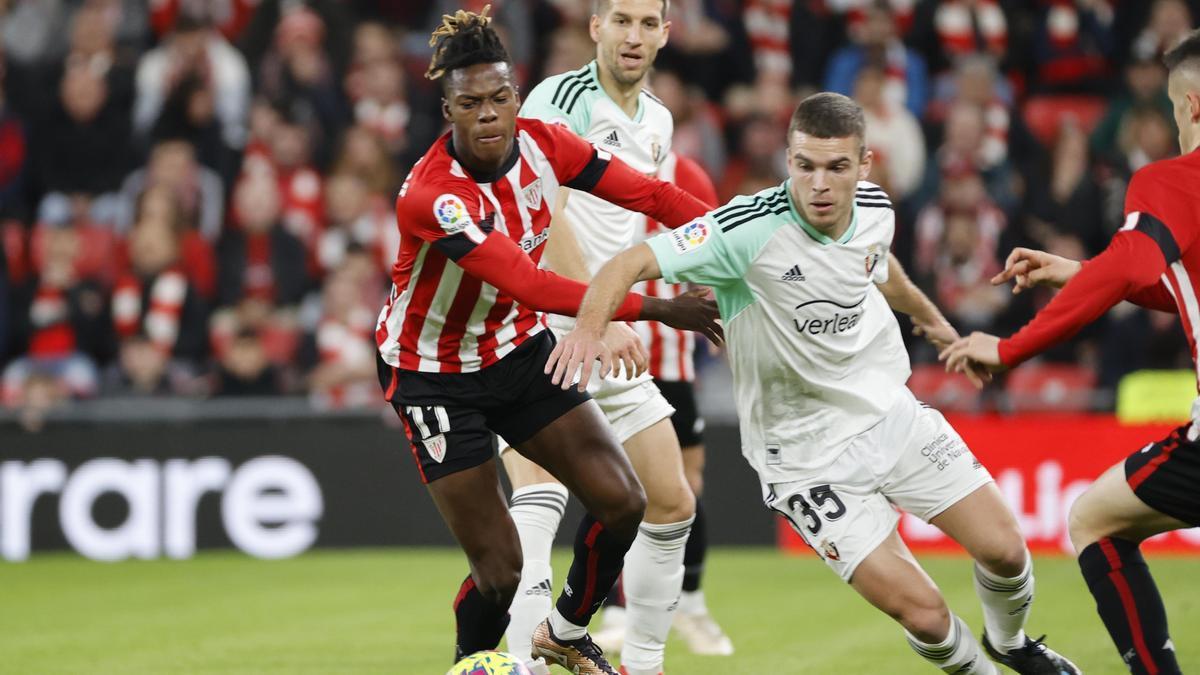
<point x="1081" y="525"/>
<point x="497" y="578"/>
<point x="929" y="622"/>
<point x="1007" y="558"/>
<point x="624" y="516"/>
<point x="677" y="505"/>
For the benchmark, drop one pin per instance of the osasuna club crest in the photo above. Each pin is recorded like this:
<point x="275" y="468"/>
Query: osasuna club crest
<point x="830" y="550"/>
<point x="533" y="195"/>
<point x="873" y="258"/>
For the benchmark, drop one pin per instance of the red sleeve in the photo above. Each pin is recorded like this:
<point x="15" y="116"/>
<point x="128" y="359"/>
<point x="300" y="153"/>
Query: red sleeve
<point x="1159" y="191"/>
<point x="1155" y="296"/>
<point x="582" y="167"/>
<point x="453" y="227"/>
<point x="1131" y="262"/>
<point x="692" y="179"/>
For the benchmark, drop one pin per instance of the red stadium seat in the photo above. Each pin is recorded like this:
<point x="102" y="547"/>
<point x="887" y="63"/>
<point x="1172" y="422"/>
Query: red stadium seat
<point x="1050" y="388"/>
<point x="942" y="390"/>
<point x="1044" y="114"/>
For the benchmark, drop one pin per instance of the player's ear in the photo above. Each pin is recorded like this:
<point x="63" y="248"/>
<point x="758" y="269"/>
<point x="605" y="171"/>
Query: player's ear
<point x="864" y="168"/>
<point x="594" y="28"/>
<point x="1193" y="100"/>
<point x="666" y="34"/>
<point x="446" y="110"/>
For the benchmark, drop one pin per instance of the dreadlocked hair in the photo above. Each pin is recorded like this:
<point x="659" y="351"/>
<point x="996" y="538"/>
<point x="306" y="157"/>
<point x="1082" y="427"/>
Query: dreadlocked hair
<point x="462" y="40"/>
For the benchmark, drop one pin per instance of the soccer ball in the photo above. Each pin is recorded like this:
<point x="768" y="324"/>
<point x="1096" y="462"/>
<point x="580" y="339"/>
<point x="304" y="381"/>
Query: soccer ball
<point x="489" y="663"/>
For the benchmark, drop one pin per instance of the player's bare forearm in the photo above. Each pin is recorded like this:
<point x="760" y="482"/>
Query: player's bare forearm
<point x="612" y="283"/>
<point x="903" y="296"/>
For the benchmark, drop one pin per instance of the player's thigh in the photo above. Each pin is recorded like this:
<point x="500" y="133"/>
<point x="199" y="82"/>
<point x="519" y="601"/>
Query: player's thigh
<point x="842" y="522"/>
<point x="1109" y="508"/>
<point x="474" y="508"/>
<point x="658" y="462"/>
<point x="521" y="471"/>
<point x="693" y="468"/>
<point x="580" y="450"/>
<point x="982" y="523"/>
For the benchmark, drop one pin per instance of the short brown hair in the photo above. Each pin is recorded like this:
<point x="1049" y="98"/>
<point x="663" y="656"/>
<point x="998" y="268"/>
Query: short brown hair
<point x="829" y="115"/>
<point x="600" y="7"/>
<point x="1186" y="50"/>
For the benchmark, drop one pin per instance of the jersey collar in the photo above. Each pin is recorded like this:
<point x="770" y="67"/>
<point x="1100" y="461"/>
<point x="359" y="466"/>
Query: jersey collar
<point x="492" y="177"/>
<point x="594" y="70"/>
<point x="813" y="232"/>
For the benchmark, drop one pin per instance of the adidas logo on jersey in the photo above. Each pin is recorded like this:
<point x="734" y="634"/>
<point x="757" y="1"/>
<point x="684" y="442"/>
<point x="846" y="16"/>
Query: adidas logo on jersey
<point x="613" y="140"/>
<point x="793" y="274"/>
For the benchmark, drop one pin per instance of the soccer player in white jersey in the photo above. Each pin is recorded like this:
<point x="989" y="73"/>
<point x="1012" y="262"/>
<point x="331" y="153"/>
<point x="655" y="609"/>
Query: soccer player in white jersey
<point x="806" y="287"/>
<point x="606" y="104"/>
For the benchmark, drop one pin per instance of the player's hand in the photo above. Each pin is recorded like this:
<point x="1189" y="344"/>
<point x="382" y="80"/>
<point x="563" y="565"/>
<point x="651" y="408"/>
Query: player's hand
<point x="575" y="352"/>
<point x="627" y="349"/>
<point x="1036" y="268"/>
<point x="939" y="333"/>
<point x="972" y="354"/>
<point x="696" y="311"/>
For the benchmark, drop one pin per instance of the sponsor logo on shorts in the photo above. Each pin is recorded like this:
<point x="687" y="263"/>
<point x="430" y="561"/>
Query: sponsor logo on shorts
<point x="774" y="455"/>
<point x="690" y="237"/>
<point x="943" y="450"/>
<point x="436" y="447"/>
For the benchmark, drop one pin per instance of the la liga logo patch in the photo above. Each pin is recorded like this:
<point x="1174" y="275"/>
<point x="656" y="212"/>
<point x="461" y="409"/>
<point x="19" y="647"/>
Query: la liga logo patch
<point x="451" y="214"/>
<point x="690" y="236"/>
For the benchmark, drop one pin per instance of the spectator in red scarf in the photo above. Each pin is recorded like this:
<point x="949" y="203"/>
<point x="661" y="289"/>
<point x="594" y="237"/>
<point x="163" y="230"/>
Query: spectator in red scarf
<point x="1073" y="46"/>
<point x="154" y="298"/>
<point x="876" y="43"/>
<point x="345" y="374"/>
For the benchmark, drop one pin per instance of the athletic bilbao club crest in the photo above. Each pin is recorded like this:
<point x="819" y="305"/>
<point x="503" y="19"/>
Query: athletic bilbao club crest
<point x="829" y="550"/>
<point x="451" y="214"/>
<point x="533" y="195"/>
<point x="436" y="447"/>
<point x="873" y="258"/>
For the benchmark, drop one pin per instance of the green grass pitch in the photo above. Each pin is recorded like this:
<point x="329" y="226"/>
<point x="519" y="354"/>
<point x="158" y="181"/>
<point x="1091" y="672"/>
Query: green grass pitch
<point x="388" y="611"/>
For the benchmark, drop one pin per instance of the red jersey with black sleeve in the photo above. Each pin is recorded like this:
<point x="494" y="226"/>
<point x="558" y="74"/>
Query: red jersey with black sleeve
<point x="1154" y="261"/>
<point x="466" y="289"/>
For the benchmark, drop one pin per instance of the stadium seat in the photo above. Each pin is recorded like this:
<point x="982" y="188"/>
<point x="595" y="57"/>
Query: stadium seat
<point x="1044" y="114"/>
<point x="944" y="391"/>
<point x="1050" y="388"/>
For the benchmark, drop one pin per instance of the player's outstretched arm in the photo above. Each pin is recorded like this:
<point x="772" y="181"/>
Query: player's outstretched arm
<point x="1131" y="263"/>
<point x="583" y="345"/>
<point x="1029" y="268"/>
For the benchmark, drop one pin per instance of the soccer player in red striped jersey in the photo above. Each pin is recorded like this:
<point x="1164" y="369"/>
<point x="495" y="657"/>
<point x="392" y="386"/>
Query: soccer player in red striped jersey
<point x="1153" y="261"/>
<point x="462" y="342"/>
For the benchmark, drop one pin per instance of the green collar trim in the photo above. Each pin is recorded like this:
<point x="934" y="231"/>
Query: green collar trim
<point x="813" y="232"/>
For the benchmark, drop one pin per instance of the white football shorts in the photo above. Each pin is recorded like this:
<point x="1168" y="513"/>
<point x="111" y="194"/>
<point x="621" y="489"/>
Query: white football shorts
<point x="850" y="507"/>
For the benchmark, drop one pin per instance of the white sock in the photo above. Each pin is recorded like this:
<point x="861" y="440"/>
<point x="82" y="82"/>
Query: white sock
<point x="692" y="602"/>
<point x="959" y="653"/>
<point x="564" y="629"/>
<point x="653" y="579"/>
<point x="1006" y="602"/>
<point x="537" y="511"/>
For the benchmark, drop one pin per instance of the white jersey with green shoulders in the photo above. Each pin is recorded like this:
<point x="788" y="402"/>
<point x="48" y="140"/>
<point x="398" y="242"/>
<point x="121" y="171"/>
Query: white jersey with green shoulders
<point x="577" y="101"/>
<point x="816" y="352"/>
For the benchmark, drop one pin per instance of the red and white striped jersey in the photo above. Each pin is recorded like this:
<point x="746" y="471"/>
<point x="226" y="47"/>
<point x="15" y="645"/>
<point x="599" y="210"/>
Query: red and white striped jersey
<point x="671" y="350"/>
<point x="466" y="290"/>
<point x="1153" y="261"/>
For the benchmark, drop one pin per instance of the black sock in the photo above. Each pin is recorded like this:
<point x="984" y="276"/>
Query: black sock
<point x="480" y="623"/>
<point x="599" y="557"/>
<point x="694" y="552"/>
<point x="1129" y="604"/>
<point x="616" y="595"/>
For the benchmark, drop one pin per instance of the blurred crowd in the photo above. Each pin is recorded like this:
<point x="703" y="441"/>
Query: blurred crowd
<point x="195" y="195"/>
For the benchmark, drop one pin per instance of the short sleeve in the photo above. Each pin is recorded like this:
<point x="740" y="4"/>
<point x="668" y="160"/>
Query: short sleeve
<point x="445" y="216"/>
<point x="696" y="253"/>
<point x="548" y="102"/>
